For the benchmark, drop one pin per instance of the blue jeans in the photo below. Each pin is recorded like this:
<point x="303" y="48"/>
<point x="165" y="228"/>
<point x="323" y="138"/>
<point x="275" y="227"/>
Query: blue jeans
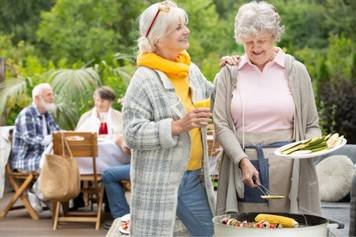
<point x="114" y="191"/>
<point x="193" y="206"/>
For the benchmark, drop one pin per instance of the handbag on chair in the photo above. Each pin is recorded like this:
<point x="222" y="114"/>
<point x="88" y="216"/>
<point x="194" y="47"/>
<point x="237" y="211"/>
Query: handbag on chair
<point x="59" y="177"/>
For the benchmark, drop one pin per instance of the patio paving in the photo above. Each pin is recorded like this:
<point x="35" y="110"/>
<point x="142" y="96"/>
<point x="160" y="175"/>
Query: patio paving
<point x="19" y="223"/>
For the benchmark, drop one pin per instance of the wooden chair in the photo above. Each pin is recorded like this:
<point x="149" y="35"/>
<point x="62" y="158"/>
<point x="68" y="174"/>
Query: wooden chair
<point x="213" y="145"/>
<point x="213" y="150"/>
<point x="20" y="182"/>
<point x="82" y="144"/>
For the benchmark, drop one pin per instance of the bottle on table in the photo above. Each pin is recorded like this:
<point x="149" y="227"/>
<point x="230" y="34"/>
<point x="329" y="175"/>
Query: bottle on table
<point x="103" y="127"/>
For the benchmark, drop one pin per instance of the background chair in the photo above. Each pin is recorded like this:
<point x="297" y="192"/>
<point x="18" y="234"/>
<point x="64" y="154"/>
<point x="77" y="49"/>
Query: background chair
<point x="213" y="150"/>
<point x="20" y="182"/>
<point x="81" y="144"/>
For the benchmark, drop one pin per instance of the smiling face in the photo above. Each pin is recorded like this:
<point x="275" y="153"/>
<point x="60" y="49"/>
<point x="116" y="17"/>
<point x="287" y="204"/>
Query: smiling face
<point x="174" y="42"/>
<point x="259" y="49"/>
<point x="45" y="101"/>
<point x="102" y="105"/>
<point x="47" y="95"/>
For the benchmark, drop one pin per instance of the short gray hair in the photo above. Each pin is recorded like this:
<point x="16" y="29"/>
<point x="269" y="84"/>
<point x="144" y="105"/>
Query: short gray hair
<point x="105" y="93"/>
<point x="257" y="17"/>
<point x="38" y="89"/>
<point x="162" y="25"/>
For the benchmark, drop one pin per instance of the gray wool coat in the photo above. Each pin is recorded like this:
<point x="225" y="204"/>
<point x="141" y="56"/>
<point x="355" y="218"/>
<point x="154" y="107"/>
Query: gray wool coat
<point x="304" y="192"/>
<point x="159" y="160"/>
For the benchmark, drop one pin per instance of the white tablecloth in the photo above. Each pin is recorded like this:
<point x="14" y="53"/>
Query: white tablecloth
<point x="5" y="147"/>
<point x="109" y="155"/>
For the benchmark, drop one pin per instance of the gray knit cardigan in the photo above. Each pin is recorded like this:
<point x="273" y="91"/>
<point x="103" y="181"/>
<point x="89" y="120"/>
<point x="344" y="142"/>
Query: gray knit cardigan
<point x="158" y="159"/>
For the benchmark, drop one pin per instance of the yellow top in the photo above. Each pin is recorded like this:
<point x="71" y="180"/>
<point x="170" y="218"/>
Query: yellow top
<point x="178" y="72"/>
<point x="196" y="155"/>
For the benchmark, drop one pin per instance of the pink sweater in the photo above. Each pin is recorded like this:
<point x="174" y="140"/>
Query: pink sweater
<point x="263" y="96"/>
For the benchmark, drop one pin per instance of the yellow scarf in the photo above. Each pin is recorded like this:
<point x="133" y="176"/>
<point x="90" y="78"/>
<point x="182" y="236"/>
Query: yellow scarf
<point x="178" y="69"/>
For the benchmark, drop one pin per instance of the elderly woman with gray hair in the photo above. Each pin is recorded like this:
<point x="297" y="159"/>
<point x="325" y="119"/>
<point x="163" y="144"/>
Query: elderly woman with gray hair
<point x="169" y="174"/>
<point x="262" y="103"/>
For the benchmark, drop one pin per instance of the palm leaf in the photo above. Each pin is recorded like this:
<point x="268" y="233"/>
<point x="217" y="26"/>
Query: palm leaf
<point x="73" y="88"/>
<point x="10" y="90"/>
<point x="74" y="82"/>
<point x="123" y="73"/>
<point x="66" y="116"/>
<point x="125" y="57"/>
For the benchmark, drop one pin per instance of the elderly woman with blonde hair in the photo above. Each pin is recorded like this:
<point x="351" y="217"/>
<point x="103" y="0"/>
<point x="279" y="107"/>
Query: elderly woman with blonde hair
<point x="262" y="103"/>
<point x="169" y="174"/>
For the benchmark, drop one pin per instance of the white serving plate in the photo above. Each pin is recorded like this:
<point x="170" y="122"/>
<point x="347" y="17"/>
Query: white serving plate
<point x="301" y="155"/>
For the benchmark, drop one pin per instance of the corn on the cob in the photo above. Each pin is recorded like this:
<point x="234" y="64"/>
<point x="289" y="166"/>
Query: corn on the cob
<point x="276" y="219"/>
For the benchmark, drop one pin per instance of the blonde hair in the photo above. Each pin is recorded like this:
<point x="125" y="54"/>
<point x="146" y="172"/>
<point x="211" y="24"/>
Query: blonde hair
<point x="162" y="25"/>
<point x="257" y="17"/>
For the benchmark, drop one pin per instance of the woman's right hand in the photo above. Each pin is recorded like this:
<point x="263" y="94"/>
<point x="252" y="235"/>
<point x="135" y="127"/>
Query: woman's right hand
<point x="250" y="175"/>
<point x="196" y="118"/>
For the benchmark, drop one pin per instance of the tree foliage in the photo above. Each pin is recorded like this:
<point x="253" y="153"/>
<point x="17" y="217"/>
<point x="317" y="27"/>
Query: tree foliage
<point x="340" y="17"/>
<point x="340" y="57"/>
<point x="20" y="18"/>
<point x="85" y="30"/>
<point x="304" y="25"/>
<point x="338" y="108"/>
<point x="43" y="38"/>
<point x="74" y="90"/>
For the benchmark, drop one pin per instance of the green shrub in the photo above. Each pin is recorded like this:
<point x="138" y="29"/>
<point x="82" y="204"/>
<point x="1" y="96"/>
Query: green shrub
<point x="338" y="108"/>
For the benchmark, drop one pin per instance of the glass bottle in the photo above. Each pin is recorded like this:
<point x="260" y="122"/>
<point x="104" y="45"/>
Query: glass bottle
<point x="103" y="128"/>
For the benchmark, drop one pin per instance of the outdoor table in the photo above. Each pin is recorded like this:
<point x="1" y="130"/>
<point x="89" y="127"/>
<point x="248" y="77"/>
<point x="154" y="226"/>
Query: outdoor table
<point x="109" y="155"/>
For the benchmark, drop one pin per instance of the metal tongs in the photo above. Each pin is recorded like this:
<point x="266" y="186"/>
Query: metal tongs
<point x="268" y="194"/>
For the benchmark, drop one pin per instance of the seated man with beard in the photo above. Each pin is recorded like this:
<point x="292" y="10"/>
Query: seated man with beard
<point x="32" y="133"/>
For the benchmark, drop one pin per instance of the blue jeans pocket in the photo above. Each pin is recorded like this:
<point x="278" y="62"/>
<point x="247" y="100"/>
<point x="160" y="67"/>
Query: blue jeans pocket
<point x="254" y="194"/>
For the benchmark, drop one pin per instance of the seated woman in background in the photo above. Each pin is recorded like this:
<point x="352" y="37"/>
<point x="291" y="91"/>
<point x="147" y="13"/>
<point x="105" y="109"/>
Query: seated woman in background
<point x="103" y="97"/>
<point x="112" y="171"/>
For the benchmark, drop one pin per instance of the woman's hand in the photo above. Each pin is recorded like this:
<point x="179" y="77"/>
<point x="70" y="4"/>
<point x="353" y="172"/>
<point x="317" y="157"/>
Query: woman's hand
<point x="196" y="118"/>
<point x="231" y="60"/>
<point x="126" y="149"/>
<point x="250" y="175"/>
<point x="120" y="141"/>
